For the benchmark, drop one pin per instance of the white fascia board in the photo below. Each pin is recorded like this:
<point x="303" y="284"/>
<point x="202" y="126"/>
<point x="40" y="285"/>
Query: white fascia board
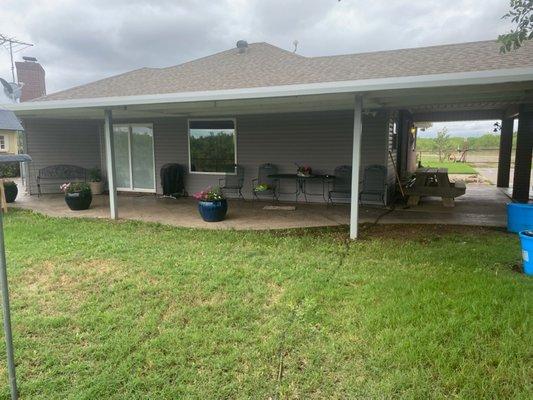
<point x="358" y="86"/>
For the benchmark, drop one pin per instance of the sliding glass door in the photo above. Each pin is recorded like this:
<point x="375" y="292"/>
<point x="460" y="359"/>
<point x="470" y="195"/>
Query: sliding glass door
<point x="134" y="157"/>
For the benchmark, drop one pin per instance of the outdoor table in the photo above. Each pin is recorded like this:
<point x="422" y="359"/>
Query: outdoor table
<point x="434" y="182"/>
<point x="300" y="182"/>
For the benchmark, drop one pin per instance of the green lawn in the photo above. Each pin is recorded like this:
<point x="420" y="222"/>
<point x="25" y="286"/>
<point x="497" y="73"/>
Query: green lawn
<point x="453" y="167"/>
<point x="127" y="310"/>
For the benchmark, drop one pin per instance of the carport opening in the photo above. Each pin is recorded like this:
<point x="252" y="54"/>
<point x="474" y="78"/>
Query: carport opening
<point x="469" y="149"/>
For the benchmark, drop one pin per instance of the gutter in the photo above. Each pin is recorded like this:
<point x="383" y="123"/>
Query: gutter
<point x="357" y="86"/>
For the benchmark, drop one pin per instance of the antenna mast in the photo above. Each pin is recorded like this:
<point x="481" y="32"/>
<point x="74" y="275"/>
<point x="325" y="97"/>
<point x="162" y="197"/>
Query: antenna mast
<point x="13" y="45"/>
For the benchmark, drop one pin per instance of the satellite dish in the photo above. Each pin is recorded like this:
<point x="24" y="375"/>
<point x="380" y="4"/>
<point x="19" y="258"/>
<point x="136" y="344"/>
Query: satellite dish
<point x="9" y="91"/>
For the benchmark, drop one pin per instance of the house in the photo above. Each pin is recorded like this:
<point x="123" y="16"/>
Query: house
<point x="275" y="106"/>
<point x="9" y="126"/>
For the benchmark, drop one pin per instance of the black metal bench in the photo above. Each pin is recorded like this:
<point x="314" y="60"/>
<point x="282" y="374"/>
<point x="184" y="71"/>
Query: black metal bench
<point x="60" y="174"/>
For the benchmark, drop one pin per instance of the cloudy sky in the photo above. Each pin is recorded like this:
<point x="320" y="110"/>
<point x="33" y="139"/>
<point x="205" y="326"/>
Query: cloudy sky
<point x="79" y="41"/>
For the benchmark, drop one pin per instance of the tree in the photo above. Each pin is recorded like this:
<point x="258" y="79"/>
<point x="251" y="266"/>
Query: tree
<point x="521" y="14"/>
<point x="442" y="144"/>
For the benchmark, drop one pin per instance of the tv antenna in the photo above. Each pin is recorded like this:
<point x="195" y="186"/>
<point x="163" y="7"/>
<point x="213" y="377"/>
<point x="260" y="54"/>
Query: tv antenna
<point x="295" y="44"/>
<point x="13" y="45"/>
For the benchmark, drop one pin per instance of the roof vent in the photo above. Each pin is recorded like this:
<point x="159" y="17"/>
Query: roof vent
<point x="30" y="59"/>
<point x="242" y="45"/>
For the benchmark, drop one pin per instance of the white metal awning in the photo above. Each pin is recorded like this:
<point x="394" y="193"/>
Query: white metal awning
<point x="495" y="89"/>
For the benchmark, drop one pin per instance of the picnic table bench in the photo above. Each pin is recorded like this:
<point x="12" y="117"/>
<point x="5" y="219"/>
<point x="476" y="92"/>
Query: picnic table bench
<point x="434" y="182"/>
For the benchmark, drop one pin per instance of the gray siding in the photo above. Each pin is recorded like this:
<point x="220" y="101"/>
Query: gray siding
<point x="322" y="140"/>
<point x="52" y="142"/>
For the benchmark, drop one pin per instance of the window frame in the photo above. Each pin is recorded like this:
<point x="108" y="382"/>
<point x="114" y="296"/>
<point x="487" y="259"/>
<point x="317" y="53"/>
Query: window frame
<point x="3" y="144"/>
<point x="189" y="120"/>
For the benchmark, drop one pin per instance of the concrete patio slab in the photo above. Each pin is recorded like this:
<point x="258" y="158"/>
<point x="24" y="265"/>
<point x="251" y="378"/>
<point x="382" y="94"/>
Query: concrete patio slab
<point x="482" y="205"/>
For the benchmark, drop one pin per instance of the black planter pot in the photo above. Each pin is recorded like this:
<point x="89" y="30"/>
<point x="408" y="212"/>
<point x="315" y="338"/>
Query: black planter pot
<point x="11" y="192"/>
<point x="213" y="211"/>
<point x="78" y="201"/>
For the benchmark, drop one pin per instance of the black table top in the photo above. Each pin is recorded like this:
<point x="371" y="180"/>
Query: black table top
<point x="296" y="176"/>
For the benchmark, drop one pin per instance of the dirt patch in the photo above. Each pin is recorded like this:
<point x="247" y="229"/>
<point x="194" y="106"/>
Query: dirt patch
<point x="59" y="287"/>
<point x="420" y="232"/>
<point x="276" y="293"/>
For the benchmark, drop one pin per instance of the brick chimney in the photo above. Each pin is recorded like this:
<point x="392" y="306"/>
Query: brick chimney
<point x="31" y="75"/>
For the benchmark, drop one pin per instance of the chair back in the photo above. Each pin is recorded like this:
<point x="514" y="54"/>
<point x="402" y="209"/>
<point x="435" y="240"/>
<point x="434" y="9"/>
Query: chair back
<point x="343" y="178"/>
<point x="234" y="179"/>
<point x="263" y="173"/>
<point x="374" y="179"/>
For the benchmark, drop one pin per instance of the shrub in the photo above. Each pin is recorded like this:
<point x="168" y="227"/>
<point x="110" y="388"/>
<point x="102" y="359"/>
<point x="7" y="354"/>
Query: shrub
<point x="75" y="187"/>
<point x="95" y="175"/>
<point x="10" y="170"/>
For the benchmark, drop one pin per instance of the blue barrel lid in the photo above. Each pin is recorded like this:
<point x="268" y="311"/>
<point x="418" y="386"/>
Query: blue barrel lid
<point x="520" y="205"/>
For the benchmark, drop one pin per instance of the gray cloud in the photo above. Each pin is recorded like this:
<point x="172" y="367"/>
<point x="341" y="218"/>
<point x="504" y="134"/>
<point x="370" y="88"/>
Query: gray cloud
<point x="80" y="41"/>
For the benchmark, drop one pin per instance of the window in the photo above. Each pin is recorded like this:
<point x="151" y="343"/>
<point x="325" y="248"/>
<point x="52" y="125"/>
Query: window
<point x="2" y="142"/>
<point x="212" y="146"/>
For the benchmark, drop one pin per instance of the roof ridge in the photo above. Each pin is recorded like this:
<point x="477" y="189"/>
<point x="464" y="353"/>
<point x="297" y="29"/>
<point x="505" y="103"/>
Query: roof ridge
<point x="405" y="48"/>
<point x="231" y="49"/>
<point x="291" y="53"/>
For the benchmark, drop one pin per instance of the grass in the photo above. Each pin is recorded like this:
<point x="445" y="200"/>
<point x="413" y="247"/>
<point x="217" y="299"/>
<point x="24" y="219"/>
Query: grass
<point x="453" y="167"/>
<point x="134" y="310"/>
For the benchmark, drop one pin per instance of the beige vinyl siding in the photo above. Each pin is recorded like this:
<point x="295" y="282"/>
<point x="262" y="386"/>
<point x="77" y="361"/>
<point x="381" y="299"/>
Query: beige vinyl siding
<point x="322" y="140"/>
<point x="51" y="142"/>
<point x="10" y="142"/>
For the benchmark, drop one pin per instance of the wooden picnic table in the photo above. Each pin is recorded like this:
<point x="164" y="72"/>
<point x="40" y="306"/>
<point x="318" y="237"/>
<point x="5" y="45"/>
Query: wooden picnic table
<point x="434" y="182"/>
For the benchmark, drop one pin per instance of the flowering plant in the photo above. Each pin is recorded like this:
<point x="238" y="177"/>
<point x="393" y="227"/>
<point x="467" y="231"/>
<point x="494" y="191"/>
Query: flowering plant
<point x="263" y="187"/>
<point x="75" y="187"/>
<point x="209" y="194"/>
<point x="304" y="170"/>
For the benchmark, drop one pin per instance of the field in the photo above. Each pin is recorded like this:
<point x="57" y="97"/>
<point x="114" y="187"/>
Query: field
<point x="432" y="160"/>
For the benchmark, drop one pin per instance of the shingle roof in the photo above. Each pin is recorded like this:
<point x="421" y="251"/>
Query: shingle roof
<point x="9" y="121"/>
<point x="265" y="65"/>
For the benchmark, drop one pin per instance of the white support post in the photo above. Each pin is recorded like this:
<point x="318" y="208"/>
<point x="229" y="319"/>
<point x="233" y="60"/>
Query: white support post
<point x="110" y="163"/>
<point x="356" y="163"/>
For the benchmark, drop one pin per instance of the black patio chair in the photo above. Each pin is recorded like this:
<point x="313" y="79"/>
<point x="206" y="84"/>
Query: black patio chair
<point x="263" y="178"/>
<point x="233" y="181"/>
<point x="342" y="184"/>
<point x="374" y="185"/>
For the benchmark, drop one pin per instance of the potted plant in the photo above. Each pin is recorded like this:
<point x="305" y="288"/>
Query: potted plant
<point x="95" y="181"/>
<point x="77" y="195"/>
<point x="304" y="171"/>
<point x="11" y="191"/>
<point x="212" y="204"/>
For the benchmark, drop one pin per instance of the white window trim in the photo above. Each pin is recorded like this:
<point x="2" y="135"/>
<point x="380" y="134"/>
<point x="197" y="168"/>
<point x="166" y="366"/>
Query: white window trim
<point x="129" y="126"/>
<point x="189" y="120"/>
<point x="3" y="139"/>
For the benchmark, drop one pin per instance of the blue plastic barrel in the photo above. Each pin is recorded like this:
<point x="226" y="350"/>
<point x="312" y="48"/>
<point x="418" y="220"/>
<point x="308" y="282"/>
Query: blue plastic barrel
<point x="526" y="240"/>
<point x="519" y="217"/>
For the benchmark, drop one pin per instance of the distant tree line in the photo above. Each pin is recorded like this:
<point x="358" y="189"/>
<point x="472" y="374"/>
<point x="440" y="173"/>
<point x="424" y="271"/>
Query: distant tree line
<point x="489" y="141"/>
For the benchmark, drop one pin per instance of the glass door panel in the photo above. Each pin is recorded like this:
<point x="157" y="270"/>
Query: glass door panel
<point x="142" y="157"/>
<point x="122" y="156"/>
